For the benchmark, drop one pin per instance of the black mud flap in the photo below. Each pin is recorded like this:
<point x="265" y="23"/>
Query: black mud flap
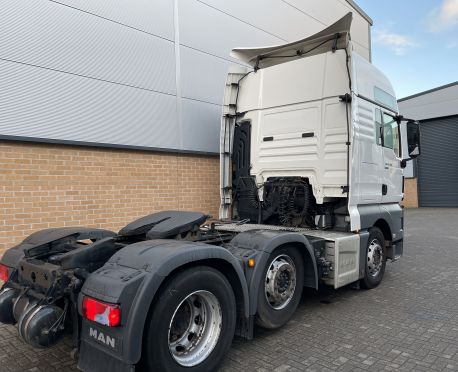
<point x="93" y="359"/>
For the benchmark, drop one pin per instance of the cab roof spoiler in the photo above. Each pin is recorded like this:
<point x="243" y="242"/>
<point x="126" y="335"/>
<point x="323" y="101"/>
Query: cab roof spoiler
<point x="334" y="37"/>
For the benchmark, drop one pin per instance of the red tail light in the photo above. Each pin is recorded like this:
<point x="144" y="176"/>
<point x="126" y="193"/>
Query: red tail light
<point x="101" y="312"/>
<point x="3" y="273"/>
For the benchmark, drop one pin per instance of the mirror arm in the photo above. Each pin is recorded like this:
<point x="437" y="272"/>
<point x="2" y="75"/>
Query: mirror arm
<point x="400" y="118"/>
<point x="404" y="162"/>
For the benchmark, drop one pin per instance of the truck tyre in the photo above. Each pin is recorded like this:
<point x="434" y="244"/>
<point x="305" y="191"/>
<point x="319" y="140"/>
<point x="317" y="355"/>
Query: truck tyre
<point x="375" y="259"/>
<point x="192" y="323"/>
<point x="280" y="288"/>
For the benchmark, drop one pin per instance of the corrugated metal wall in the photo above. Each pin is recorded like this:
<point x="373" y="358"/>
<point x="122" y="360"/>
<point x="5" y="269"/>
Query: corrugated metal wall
<point x="437" y="170"/>
<point x="147" y="73"/>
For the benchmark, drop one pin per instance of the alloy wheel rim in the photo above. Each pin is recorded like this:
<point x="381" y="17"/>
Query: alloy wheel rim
<point x="374" y="258"/>
<point x="195" y="328"/>
<point x="280" y="282"/>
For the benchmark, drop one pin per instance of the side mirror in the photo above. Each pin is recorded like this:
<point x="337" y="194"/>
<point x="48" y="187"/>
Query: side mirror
<point x="413" y="138"/>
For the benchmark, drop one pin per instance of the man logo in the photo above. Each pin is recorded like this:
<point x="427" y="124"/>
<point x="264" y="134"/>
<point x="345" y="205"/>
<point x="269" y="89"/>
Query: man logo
<point x="99" y="336"/>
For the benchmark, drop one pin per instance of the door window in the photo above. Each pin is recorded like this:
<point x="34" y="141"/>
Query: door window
<point x="387" y="132"/>
<point x="378" y="126"/>
<point x="390" y="134"/>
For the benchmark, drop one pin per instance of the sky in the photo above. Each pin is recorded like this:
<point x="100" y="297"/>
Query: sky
<point x="414" y="42"/>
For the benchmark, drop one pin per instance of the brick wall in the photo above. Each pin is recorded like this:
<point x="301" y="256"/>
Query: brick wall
<point x="44" y="185"/>
<point x="410" y="193"/>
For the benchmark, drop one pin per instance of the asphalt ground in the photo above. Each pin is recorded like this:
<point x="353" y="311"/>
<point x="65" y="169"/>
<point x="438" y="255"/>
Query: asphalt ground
<point x="408" y="323"/>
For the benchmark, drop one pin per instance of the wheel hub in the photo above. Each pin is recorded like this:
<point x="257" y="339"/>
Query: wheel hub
<point x="195" y="328"/>
<point x="374" y="257"/>
<point x="280" y="282"/>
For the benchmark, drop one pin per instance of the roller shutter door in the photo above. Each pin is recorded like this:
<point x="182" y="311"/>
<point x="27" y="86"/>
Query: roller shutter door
<point x="438" y="163"/>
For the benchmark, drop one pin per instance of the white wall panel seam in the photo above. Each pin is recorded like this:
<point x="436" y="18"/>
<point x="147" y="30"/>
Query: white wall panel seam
<point x="300" y="10"/>
<point x="361" y="45"/>
<point x="86" y="76"/>
<point x="234" y="61"/>
<point x="110" y="20"/>
<point x="423" y="104"/>
<point x="40" y="103"/>
<point x="370" y="41"/>
<point x="241" y="20"/>
<point x="79" y="43"/>
<point x="202" y="101"/>
<point x="176" y="25"/>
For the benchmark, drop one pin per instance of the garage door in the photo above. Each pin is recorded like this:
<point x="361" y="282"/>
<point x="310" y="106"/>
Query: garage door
<point x="438" y="163"/>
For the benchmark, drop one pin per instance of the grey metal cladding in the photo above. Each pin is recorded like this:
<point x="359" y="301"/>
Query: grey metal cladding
<point x="437" y="170"/>
<point x="272" y="21"/>
<point x="152" y="16"/>
<point x="198" y="21"/>
<point x="42" y="103"/>
<point x="106" y="71"/>
<point x="203" y="76"/>
<point x="200" y="125"/>
<point x="83" y="44"/>
<point x="435" y="103"/>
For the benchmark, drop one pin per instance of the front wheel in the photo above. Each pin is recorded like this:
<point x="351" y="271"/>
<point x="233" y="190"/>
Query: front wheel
<point x="375" y="259"/>
<point x="192" y="323"/>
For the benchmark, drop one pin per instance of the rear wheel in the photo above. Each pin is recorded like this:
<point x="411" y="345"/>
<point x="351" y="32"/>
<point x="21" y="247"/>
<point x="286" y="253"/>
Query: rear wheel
<point x="192" y="324"/>
<point x="375" y="259"/>
<point x="280" y="288"/>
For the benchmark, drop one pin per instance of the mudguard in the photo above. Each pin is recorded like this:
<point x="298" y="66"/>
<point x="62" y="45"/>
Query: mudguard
<point x="131" y="278"/>
<point x="163" y="225"/>
<point x="265" y="242"/>
<point x="391" y="213"/>
<point x="39" y="240"/>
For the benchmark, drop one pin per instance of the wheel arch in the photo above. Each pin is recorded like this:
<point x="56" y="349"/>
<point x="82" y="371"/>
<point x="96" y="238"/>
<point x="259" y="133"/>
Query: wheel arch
<point x="383" y="225"/>
<point x="264" y="242"/>
<point x="310" y="269"/>
<point x="387" y="217"/>
<point x="168" y="263"/>
<point x="225" y="268"/>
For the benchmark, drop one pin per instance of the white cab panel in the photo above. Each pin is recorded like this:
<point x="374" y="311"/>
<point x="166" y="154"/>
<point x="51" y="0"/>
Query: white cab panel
<point x="374" y="167"/>
<point x="367" y="155"/>
<point x="298" y="123"/>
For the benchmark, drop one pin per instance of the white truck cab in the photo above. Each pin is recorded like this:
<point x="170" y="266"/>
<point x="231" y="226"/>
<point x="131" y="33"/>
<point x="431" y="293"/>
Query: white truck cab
<point x="311" y="138"/>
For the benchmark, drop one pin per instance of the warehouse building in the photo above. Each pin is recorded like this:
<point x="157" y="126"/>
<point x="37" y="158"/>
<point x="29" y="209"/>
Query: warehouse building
<point x="112" y="111"/>
<point x="431" y="180"/>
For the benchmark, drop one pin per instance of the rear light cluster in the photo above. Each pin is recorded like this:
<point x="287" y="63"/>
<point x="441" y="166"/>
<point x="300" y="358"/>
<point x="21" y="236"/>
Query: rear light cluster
<point x="3" y="274"/>
<point x="101" y="312"/>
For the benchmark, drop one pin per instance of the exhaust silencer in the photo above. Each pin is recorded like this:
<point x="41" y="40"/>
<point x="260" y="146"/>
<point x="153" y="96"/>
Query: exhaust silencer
<point x="38" y="325"/>
<point x="41" y="325"/>
<point x="7" y="298"/>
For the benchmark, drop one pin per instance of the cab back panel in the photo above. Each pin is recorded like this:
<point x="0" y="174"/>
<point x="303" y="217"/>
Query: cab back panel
<point x="298" y="123"/>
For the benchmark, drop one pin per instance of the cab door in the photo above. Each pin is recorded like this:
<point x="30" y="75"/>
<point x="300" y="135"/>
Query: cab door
<point x="371" y="157"/>
<point x="391" y="173"/>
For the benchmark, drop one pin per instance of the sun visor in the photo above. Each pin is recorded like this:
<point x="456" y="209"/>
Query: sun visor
<point x="336" y="36"/>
